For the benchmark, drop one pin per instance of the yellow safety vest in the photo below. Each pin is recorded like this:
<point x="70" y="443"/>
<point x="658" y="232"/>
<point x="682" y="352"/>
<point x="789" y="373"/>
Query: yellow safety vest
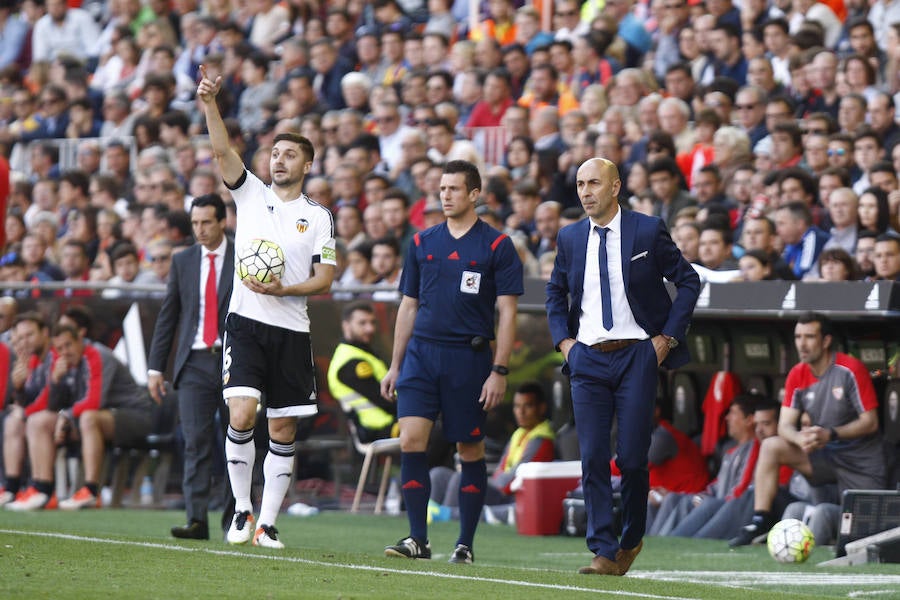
<point x="520" y="439"/>
<point x="370" y="416"/>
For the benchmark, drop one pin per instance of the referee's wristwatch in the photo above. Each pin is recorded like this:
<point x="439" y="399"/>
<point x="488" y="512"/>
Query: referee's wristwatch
<point x="500" y="370"/>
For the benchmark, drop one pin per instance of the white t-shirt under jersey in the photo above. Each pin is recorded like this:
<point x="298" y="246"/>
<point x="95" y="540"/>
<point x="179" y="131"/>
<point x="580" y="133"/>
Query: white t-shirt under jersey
<point x="305" y="232"/>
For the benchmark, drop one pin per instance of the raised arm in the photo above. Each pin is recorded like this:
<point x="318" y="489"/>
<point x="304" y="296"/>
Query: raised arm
<point x="230" y="163"/>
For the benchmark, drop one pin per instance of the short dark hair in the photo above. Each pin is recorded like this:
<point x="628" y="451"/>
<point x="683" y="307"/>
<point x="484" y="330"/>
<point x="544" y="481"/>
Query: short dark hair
<point x="213" y="200"/>
<point x="77" y="179"/>
<point x="534" y="389"/>
<point x="825" y="326"/>
<point x="351" y="308"/>
<point x="473" y="177"/>
<point x="122" y="250"/>
<point x="747" y="403"/>
<point x="176" y="118"/>
<point x="665" y="164"/>
<point x="396" y="193"/>
<point x="81" y="314"/>
<point x="33" y="316"/>
<point x="305" y="145"/>
<point x="389" y="241"/>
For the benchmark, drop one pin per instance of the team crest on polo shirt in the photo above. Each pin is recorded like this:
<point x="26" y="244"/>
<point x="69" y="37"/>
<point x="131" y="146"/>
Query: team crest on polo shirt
<point x="470" y="282"/>
<point x="302" y="225"/>
<point x="837" y="392"/>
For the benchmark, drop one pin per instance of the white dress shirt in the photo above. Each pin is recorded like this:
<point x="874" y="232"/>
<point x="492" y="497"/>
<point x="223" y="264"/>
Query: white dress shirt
<point x="204" y="273"/>
<point x="590" y="329"/>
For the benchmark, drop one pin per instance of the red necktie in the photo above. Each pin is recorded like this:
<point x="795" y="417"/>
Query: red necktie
<point x="211" y="305"/>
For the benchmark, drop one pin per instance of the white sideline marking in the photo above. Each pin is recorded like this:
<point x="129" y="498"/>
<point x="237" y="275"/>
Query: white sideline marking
<point x="291" y="559"/>
<point x="751" y="578"/>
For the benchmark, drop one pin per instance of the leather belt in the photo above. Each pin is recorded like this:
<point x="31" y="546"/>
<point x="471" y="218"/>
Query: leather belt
<point x="613" y="345"/>
<point x="215" y="350"/>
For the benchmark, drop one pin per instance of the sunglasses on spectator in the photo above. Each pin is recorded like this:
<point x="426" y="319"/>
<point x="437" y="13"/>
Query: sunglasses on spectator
<point x="838" y="152"/>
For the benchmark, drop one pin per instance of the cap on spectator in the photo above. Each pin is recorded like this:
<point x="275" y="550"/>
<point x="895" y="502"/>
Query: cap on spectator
<point x="763" y="147"/>
<point x="45" y="216"/>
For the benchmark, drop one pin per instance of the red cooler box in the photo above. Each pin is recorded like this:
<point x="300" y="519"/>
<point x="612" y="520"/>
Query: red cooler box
<point x="540" y="488"/>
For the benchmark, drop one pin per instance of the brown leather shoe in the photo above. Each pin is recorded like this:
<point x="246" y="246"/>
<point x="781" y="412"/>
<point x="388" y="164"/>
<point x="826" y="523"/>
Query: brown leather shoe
<point x="624" y="558"/>
<point x="600" y="565"/>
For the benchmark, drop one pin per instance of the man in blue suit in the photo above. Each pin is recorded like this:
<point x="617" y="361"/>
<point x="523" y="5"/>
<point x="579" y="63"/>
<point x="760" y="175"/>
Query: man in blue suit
<point x="613" y="319"/>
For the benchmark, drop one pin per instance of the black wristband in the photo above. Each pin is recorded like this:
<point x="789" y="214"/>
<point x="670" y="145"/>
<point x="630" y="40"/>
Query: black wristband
<point x="832" y="435"/>
<point x="500" y="370"/>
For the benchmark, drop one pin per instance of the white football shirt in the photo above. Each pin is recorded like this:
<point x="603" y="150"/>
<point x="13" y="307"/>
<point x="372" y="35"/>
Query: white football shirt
<point x="305" y="232"/>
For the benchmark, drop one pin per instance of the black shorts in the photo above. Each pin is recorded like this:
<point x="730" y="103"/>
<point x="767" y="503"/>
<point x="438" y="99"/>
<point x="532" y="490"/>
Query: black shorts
<point x="263" y="359"/>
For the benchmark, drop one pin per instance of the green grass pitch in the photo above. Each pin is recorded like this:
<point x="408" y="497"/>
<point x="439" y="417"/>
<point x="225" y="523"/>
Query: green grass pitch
<point x="334" y="555"/>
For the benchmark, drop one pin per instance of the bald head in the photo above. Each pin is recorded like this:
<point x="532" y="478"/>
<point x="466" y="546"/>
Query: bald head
<point x="598" y="184"/>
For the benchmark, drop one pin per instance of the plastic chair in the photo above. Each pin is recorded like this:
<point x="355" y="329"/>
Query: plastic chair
<point x="388" y="447"/>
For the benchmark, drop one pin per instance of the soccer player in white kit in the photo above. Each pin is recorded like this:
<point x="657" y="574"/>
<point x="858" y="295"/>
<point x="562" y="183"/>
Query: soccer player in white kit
<point x="267" y="345"/>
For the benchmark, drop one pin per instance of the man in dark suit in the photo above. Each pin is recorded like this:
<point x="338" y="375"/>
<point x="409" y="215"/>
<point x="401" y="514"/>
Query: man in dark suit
<point x="619" y="326"/>
<point x="203" y="271"/>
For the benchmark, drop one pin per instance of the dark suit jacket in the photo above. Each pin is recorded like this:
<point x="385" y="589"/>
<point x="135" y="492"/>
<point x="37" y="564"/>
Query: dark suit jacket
<point x="648" y="255"/>
<point x="181" y="308"/>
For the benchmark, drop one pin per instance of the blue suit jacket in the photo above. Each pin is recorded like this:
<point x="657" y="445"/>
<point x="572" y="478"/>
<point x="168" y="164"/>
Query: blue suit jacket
<point x="648" y="255"/>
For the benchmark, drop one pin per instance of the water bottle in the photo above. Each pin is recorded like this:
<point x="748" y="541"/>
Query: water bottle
<point x="392" y="501"/>
<point x="147" y="491"/>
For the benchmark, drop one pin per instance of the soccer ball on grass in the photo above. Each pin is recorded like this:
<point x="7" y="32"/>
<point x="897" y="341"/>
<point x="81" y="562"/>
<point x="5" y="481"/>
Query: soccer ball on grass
<point x="261" y="259"/>
<point x="790" y="541"/>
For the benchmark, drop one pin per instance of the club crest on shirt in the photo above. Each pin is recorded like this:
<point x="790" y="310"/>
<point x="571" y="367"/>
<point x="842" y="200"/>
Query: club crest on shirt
<point x="837" y="392"/>
<point x="302" y="225"/>
<point x="470" y="282"/>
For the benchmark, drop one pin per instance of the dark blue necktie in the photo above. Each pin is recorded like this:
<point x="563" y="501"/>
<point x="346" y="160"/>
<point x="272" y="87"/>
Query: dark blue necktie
<point x="604" y="278"/>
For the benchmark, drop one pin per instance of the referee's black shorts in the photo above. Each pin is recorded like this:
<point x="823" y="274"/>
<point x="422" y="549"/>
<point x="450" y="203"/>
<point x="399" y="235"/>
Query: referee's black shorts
<point x="263" y="359"/>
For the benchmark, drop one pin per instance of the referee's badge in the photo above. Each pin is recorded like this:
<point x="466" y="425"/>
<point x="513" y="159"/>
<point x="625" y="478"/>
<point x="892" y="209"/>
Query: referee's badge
<point x="470" y="282"/>
<point x="302" y="225"/>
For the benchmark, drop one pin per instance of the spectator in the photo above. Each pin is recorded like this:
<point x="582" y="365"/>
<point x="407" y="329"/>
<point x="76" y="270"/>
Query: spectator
<point x="76" y="267"/>
<point x="258" y="90"/>
<point x="687" y="237"/>
<point x="126" y="272"/>
<point x="355" y="373"/>
<point x="387" y="264"/>
<point x="882" y="175"/>
<point x="94" y="393"/>
<point x="731" y="482"/>
<point x="663" y="175"/>
<point x="759" y="233"/>
<point x="886" y="257"/>
<point x="881" y="111"/>
<point x="843" y="214"/>
<point x="64" y="30"/>
<point x="851" y="112"/>
<point x="836" y="264"/>
<point x="865" y="248"/>
<point x="874" y="211"/>
<point x="714" y="251"/>
<point x="841" y="445"/>
<point x="27" y="379"/>
<point x="755" y="265"/>
<point x="868" y="149"/>
<point x="37" y="267"/>
<point x="532" y="441"/>
<point x="803" y="241"/>
<point x="395" y="214"/>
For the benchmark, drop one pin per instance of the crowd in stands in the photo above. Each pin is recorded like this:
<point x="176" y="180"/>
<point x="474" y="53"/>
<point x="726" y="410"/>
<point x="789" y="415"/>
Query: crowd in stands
<point x="765" y="134"/>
